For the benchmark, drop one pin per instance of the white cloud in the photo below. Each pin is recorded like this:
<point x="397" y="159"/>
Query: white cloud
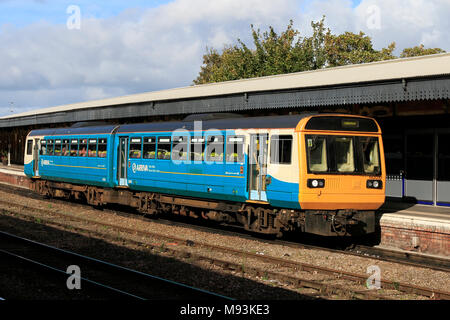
<point x="45" y="64"/>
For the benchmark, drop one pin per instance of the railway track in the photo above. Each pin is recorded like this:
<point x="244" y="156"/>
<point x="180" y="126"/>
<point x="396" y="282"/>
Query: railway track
<point x="349" y="285"/>
<point x="98" y="276"/>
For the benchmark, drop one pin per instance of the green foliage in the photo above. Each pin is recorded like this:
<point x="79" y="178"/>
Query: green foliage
<point x="288" y="52"/>
<point x="419" y="51"/>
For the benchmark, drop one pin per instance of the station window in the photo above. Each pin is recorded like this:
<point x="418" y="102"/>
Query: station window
<point x="235" y="149"/>
<point x="73" y="147"/>
<point x="149" y="148"/>
<point x="43" y="148"/>
<point x="164" y="148"/>
<point x="281" y="149"/>
<point x="214" y="149"/>
<point x="92" y="148"/>
<point x="102" y="147"/>
<point x="180" y="148"/>
<point x="197" y="148"/>
<point x="29" y="147"/>
<point x="83" y="148"/>
<point x="49" y="147"/>
<point x="57" y="147"/>
<point x="65" y="148"/>
<point x="135" y="148"/>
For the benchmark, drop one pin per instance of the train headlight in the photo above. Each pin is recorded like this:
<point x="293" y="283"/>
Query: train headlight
<point x="374" y="184"/>
<point x="316" y="183"/>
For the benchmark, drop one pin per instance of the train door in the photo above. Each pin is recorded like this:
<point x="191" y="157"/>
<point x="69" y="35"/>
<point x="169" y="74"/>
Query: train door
<point x="258" y="166"/>
<point x="36" y="149"/>
<point x="122" y="161"/>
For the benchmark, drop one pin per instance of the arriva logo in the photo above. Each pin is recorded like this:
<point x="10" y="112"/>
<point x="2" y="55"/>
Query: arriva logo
<point x="139" y="167"/>
<point x="45" y="162"/>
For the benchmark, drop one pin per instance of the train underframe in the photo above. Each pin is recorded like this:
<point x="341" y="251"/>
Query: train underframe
<point x="253" y="217"/>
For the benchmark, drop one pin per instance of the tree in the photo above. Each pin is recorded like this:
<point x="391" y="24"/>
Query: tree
<point x="419" y="51"/>
<point x="288" y="52"/>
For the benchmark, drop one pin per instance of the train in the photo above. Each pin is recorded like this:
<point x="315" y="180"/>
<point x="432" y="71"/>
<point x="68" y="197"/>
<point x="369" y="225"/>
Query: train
<point x="321" y="174"/>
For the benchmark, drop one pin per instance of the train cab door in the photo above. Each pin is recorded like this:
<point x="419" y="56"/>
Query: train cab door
<point x="258" y="166"/>
<point x="36" y="149"/>
<point x="122" y="161"/>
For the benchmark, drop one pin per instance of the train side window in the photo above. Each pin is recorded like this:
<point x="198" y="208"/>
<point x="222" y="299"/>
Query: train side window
<point x="83" y="148"/>
<point x="73" y="147"/>
<point x="29" y="147"/>
<point x="281" y="149"/>
<point x="235" y="148"/>
<point x="65" y="148"/>
<point x="43" y="148"/>
<point x="197" y="148"/>
<point x="180" y="148"/>
<point x="214" y="149"/>
<point x="49" y="147"/>
<point x="102" y="147"/>
<point x="149" y="148"/>
<point x="317" y="153"/>
<point x="164" y="148"/>
<point x="57" y="147"/>
<point x="135" y="148"/>
<point x="92" y="148"/>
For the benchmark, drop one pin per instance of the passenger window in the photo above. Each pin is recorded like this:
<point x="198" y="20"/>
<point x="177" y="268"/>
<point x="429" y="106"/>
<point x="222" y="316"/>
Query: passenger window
<point x="92" y="149"/>
<point x="180" y="148"/>
<point x="29" y="147"/>
<point x="214" y="149"/>
<point x="197" y="148"/>
<point x="65" y="148"/>
<point x="43" y="148"/>
<point x="135" y="148"/>
<point x="102" y="147"/>
<point x="83" y="148"/>
<point x="235" y="149"/>
<point x="281" y="149"/>
<point x="317" y="153"/>
<point x="57" y="147"/>
<point x="74" y="148"/>
<point x="164" y="148"/>
<point x="149" y="148"/>
<point x="345" y="161"/>
<point x="50" y="147"/>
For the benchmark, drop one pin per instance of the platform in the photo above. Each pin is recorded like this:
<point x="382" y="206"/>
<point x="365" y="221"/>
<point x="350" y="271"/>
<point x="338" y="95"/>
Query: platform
<point x="411" y="227"/>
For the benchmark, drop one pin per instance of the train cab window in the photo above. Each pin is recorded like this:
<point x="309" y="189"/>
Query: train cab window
<point x="371" y="155"/>
<point x="29" y="147"/>
<point x="102" y="147"/>
<point x="344" y="152"/>
<point x="197" y="148"/>
<point x="83" y="148"/>
<point x="43" y="148"/>
<point x="180" y="148"/>
<point x="149" y="148"/>
<point x="73" y="147"/>
<point x="214" y="149"/>
<point x="235" y="149"/>
<point x="65" y="148"/>
<point x="281" y="149"/>
<point x="49" y="147"/>
<point x="92" y="148"/>
<point x="135" y="148"/>
<point x="317" y="153"/>
<point x="164" y="144"/>
<point x="57" y="147"/>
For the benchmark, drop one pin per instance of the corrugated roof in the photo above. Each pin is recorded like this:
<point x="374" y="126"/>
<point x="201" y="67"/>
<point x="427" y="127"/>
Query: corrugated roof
<point x="425" y="66"/>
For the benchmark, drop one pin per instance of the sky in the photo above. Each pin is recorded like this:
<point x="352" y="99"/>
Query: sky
<point x="55" y="52"/>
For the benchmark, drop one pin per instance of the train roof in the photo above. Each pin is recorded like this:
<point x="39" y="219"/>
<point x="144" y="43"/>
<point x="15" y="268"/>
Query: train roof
<point x="108" y="129"/>
<point x="269" y="122"/>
